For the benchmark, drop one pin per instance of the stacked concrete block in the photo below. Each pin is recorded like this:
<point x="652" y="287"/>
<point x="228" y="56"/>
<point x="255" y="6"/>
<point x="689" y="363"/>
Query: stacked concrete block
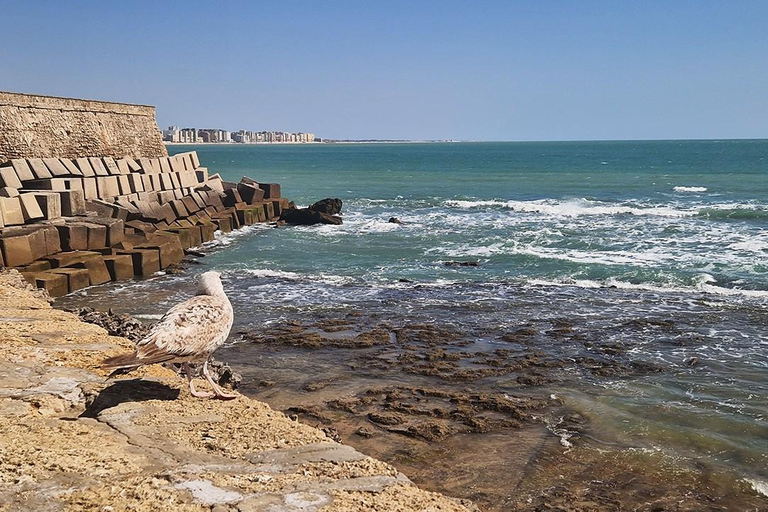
<point x="68" y="224"/>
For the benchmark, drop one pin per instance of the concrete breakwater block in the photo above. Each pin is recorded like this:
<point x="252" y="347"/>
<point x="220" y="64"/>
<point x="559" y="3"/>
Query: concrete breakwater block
<point x="65" y="259"/>
<point x="56" y="167"/>
<point x="22" y="169"/>
<point x="72" y="203"/>
<point x="115" y="229"/>
<point x="98" y="166"/>
<point x="145" y="261"/>
<point x="119" y="266"/>
<point x="49" y="204"/>
<point x="30" y="208"/>
<point x="9" y="178"/>
<point x="271" y="190"/>
<point x="74" y="237"/>
<point x="77" y="278"/>
<point x="57" y="285"/>
<point x="97" y="270"/>
<point x="16" y="250"/>
<point x="39" y="169"/>
<point x="169" y="249"/>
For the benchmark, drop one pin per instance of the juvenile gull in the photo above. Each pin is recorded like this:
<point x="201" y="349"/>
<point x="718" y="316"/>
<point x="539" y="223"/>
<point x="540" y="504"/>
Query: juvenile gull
<point x="190" y="331"/>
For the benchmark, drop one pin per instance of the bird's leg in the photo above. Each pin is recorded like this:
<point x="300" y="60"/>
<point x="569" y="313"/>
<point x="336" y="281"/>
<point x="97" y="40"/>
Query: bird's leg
<point x="192" y="390"/>
<point x="219" y="392"/>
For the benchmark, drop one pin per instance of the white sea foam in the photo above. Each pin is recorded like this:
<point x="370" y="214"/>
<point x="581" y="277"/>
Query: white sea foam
<point x="760" y="486"/>
<point x="701" y="286"/>
<point x="689" y="189"/>
<point x="294" y="276"/>
<point x="574" y="208"/>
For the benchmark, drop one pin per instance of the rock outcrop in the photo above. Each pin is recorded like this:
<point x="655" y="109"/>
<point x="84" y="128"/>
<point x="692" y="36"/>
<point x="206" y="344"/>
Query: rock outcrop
<point x="325" y="211"/>
<point x="73" y="440"/>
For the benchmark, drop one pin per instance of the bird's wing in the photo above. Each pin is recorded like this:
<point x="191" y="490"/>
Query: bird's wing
<point x="194" y="327"/>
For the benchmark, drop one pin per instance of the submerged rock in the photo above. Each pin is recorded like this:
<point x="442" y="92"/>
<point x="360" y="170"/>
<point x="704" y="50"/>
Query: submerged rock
<point x="328" y="205"/>
<point x="462" y="263"/>
<point x="324" y="211"/>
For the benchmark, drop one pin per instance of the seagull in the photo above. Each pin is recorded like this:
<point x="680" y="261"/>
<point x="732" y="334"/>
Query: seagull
<point x="190" y="331"/>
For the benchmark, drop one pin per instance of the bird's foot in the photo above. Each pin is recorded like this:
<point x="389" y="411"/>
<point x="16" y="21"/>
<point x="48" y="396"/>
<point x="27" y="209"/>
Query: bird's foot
<point x="225" y="396"/>
<point x="201" y="394"/>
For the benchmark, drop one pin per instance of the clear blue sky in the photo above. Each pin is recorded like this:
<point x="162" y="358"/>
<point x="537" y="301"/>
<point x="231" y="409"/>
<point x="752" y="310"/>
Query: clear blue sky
<point x="478" y="70"/>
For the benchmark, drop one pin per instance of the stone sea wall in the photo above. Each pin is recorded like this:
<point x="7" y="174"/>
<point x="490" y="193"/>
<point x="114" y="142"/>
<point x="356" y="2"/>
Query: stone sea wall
<point x="33" y="126"/>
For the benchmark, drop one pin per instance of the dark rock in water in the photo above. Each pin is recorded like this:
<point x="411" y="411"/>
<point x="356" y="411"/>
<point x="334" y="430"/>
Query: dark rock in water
<point x="328" y="205"/>
<point x="404" y="280"/>
<point x="692" y="361"/>
<point x="116" y="325"/>
<point x="462" y="264"/>
<point x="308" y="217"/>
<point x="384" y="418"/>
<point x="394" y="220"/>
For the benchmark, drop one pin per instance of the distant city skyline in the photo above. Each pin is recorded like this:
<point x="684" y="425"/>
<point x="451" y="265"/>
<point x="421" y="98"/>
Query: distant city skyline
<point x="193" y="135"/>
<point x="486" y="70"/>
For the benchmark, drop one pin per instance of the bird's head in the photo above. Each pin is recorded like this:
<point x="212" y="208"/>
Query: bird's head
<point x="210" y="283"/>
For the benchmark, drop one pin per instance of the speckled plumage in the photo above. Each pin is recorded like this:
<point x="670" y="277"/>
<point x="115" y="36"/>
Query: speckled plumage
<point x="189" y="331"/>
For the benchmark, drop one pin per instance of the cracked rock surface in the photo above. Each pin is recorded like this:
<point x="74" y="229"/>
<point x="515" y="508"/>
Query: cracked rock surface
<point x="74" y="440"/>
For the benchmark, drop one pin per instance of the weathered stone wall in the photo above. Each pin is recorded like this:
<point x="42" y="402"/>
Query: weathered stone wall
<point x="34" y="126"/>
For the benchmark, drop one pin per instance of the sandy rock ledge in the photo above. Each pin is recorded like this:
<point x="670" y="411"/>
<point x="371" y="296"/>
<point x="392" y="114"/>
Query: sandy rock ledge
<point x="73" y="440"/>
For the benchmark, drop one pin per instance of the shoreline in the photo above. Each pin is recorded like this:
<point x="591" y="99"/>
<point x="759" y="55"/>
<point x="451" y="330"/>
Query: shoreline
<point x="76" y="440"/>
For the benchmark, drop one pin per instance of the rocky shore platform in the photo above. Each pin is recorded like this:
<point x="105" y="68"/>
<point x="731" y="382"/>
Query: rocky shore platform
<point x="72" y="439"/>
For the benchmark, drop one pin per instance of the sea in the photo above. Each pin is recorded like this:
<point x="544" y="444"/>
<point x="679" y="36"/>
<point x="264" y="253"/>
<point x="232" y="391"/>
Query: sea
<point x="659" y="248"/>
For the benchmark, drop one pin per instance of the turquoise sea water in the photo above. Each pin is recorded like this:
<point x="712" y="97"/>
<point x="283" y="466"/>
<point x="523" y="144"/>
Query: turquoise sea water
<point x="657" y="247"/>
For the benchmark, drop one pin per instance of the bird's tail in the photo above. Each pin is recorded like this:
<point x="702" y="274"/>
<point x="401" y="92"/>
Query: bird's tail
<point x="122" y="361"/>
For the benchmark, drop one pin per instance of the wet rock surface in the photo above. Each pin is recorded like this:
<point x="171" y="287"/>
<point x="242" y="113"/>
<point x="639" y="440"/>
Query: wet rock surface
<point x="325" y="211"/>
<point x="477" y="414"/>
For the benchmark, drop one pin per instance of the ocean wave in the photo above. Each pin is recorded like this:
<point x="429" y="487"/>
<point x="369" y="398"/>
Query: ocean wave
<point x="759" y="486"/>
<point x="573" y="207"/>
<point x="689" y="189"/>
<point x="702" y="283"/>
<point x="327" y="279"/>
<point x="745" y="212"/>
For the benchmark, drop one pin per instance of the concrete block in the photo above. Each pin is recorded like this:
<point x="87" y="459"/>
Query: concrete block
<point x="119" y="266"/>
<point x="57" y="285"/>
<point x="52" y="240"/>
<point x="115" y="229"/>
<point x="166" y="183"/>
<point x="165" y="165"/>
<point x="207" y="231"/>
<point x="72" y="203"/>
<point x="98" y="166"/>
<point x="141" y="226"/>
<point x="271" y="190"/>
<point x="111" y="165"/>
<point x="9" y="192"/>
<point x="177" y="164"/>
<point x="122" y="166"/>
<point x="98" y="273"/>
<point x="90" y="189"/>
<point x="107" y="186"/>
<point x="175" y="180"/>
<point x="17" y="250"/>
<point x="9" y="178"/>
<point x="71" y="167"/>
<point x="166" y="213"/>
<point x="184" y="236"/>
<point x="136" y="182"/>
<point x="36" y="266"/>
<point x="166" y="196"/>
<point x="170" y="249"/>
<point x="190" y="204"/>
<point x="85" y="167"/>
<point x="201" y="173"/>
<point x="22" y="169"/>
<point x="124" y="184"/>
<point x="223" y="224"/>
<point x="39" y="169"/>
<point x="55" y="166"/>
<point x="269" y="210"/>
<point x="29" y="207"/>
<point x="188" y="164"/>
<point x="277" y="207"/>
<point x="145" y="261"/>
<point x="77" y="278"/>
<point x="64" y="259"/>
<point x="97" y="236"/>
<point x="133" y="165"/>
<point x="195" y="159"/>
<point x="215" y="183"/>
<point x="55" y="184"/>
<point x="250" y="193"/>
<point x="11" y="211"/>
<point x="231" y="197"/>
<point x="74" y="237"/>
